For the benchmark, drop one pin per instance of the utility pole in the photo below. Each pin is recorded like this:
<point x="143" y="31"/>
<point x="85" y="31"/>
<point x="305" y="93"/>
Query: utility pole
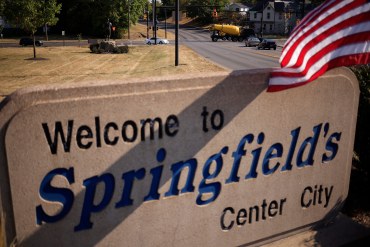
<point x="147" y="21"/>
<point x="165" y="23"/>
<point x="177" y="33"/>
<point x="303" y="5"/>
<point x="128" y="21"/>
<point x="155" y="21"/>
<point x="263" y="7"/>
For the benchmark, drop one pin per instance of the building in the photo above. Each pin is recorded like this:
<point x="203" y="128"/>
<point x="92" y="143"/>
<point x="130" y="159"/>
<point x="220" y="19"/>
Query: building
<point x="269" y="17"/>
<point x="239" y="7"/>
<point x="277" y="16"/>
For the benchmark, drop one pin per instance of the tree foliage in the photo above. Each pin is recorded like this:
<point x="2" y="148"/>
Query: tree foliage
<point x="203" y="9"/>
<point x="89" y="16"/>
<point x="31" y="14"/>
<point x="2" y="4"/>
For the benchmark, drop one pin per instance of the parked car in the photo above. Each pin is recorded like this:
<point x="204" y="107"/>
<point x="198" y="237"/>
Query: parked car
<point x="267" y="44"/>
<point x="160" y="41"/>
<point x="252" y="41"/>
<point x="29" y="41"/>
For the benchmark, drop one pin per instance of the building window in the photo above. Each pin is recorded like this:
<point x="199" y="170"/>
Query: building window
<point x="268" y="16"/>
<point x="270" y="27"/>
<point x="255" y="16"/>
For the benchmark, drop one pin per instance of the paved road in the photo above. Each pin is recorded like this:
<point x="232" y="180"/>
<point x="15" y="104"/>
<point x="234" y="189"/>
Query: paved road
<point x="231" y="55"/>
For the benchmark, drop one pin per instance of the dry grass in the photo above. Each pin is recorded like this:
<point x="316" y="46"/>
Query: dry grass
<point x="73" y="64"/>
<point x="138" y="31"/>
<point x="76" y="64"/>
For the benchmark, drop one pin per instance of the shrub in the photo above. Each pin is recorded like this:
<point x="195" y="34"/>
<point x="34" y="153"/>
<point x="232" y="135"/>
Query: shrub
<point x="108" y="47"/>
<point x="120" y="49"/>
<point x="362" y="141"/>
<point x="94" y="48"/>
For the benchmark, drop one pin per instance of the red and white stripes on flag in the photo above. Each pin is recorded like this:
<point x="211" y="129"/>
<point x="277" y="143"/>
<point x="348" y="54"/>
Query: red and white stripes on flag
<point x="337" y="33"/>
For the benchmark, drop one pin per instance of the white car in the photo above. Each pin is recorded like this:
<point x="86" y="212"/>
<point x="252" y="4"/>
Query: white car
<point x="160" y="41"/>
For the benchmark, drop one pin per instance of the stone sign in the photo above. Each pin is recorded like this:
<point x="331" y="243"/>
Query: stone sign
<point x="202" y="160"/>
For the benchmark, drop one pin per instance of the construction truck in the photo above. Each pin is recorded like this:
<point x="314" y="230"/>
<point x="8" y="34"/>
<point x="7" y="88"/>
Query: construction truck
<point x="229" y="32"/>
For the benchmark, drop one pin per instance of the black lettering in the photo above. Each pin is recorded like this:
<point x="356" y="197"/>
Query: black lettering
<point x="251" y="213"/>
<point x="220" y="123"/>
<point x="241" y="218"/>
<point x="282" y="201"/>
<point x="264" y="204"/>
<point x="222" y="221"/>
<point x="106" y="134"/>
<point x="172" y="122"/>
<point x="151" y="123"/>
<point x="303" y="203"/>
<point x="58" y="131"/>
<point x="204" y="114"/>
<point x="81" y="135"/>
<point x="97" y="129"/>
<point x="273" y="208"/>
<point x="134" y="131"/>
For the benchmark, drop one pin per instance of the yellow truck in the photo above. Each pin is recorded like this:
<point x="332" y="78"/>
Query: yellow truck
<point x="229" y="32"/>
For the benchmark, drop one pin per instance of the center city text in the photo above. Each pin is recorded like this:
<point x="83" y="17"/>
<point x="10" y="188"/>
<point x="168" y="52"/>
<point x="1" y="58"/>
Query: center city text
<point x="264" y="160"/>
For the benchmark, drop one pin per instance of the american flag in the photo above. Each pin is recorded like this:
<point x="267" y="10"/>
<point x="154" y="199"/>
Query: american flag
<point x="336" y="33"/>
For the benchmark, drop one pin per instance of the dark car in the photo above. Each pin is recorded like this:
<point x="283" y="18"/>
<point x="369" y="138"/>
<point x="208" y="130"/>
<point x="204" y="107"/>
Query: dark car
<point x="29" y="41"/>
<point x="267" y="44"/>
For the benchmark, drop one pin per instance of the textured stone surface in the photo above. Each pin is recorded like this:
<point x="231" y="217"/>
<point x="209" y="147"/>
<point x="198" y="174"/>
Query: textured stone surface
<point x="265" y="164"/>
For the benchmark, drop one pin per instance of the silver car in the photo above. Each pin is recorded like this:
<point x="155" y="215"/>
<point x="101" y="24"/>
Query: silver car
<point x="160" y="41"/>
<point x="252" y="41"/>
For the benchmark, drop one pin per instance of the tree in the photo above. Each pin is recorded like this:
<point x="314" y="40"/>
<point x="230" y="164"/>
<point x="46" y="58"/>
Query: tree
<point x="2" y="5"/>
<point x="203" y="9"/>
<point x="50" y="9"/>
<point x="250" y="2"/>
<point x="317" y="2"/>
<point x="30" y="15"/>
<point x="89" y="16"/>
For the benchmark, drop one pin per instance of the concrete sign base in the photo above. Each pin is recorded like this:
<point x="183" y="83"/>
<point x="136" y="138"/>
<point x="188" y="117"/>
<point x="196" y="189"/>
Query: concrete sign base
<point x="202" y="160"/>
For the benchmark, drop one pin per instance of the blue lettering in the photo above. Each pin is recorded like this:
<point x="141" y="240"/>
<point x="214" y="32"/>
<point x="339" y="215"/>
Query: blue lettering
<point x="332" y="147"/>
<point x="88" y="204"/>
<point x="157" y="174"/>
<point x="50" y="193"/>
<point x="312" y="141"/>
<point x="237" y="155"/>
<point x="288" y="164"/>
<point x="274" y="151"/>
<point x="215" y="187"/>
<point x="176" y="172"/>
<point x="256" y="156"/>
<point x="129" y="178"/>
